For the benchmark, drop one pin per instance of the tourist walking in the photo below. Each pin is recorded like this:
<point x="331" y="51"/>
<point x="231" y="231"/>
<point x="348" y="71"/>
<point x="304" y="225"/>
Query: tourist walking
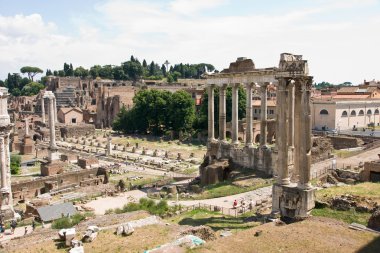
<point x="13" y="226"/>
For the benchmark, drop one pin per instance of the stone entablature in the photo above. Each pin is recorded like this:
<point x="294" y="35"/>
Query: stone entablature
<point x="293" y="131"/>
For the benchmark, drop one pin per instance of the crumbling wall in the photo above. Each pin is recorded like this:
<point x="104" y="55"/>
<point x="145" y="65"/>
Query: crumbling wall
<point x="342" y="142"/>
<point x="322" y="149"/>
<point x="31" y="188"/>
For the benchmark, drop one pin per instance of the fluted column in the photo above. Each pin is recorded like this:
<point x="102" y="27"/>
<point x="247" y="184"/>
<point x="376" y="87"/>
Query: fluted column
<point x="235" y="114"/>
<point x="291" y="114"/>
<point x="305" y="135"/>
<point x="263" y="119"/>
<point x="43" y="110"/>
<point x="222" y="112"/>
<point x="248" y="115"/>
<point x="211" y="129"/>
<point x="297" y="127"/>
<point x="281" y="139"/>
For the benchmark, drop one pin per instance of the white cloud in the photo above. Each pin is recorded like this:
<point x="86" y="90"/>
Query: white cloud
<point x="191" y="6"/>
<point x="341" y="50"/>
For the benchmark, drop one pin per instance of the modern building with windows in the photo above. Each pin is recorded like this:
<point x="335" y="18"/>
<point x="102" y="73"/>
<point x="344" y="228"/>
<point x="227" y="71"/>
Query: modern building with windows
<point x="345" y="114"/>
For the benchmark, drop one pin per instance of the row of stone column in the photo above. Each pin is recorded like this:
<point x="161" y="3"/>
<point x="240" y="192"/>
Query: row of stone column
<point x="43" y="108"/>
<point x="235" y="113"/>
<point x="294" y="130"/>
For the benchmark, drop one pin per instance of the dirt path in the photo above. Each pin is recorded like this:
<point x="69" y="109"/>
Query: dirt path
<point x="102" y="204"/>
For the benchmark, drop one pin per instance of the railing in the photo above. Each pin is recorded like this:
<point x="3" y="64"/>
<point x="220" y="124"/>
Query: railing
<point x="214" y="208"/>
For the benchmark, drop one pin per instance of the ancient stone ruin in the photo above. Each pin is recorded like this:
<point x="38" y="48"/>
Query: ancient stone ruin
<point x="293" y="142"/>
<point x="6" y="204"/>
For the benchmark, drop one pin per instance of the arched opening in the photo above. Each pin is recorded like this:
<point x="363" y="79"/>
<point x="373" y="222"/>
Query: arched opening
<point x="323" y="112"/>
<point x="369" y="112"/>
<point x="361" y="113"/>
<point x="353" y="113"/>
<point x="376" y="112"/>
<point x="96" y="85"/>
<point x="344" y="114"/>
<point x="257" y="138"/>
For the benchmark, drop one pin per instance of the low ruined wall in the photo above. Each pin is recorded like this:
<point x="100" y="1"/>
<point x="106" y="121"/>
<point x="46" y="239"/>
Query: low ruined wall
<point x="31" y="188"/>
<point x="77" y="130"/>
<point x="373" y="166"/>
<point x="254" y="158"/>
<point x="342" y="142"/>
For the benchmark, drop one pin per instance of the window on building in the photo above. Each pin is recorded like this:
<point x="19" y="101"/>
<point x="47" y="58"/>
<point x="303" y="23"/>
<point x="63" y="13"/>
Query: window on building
<point x="353" y="113"/>
<point x="376" y="112"/>
<point x="361" y="113"/>
<point x="344" y="114"/>
<point x="324" y="112"/>
<point x="369" y="112"/>
<point x="73" y="121"/>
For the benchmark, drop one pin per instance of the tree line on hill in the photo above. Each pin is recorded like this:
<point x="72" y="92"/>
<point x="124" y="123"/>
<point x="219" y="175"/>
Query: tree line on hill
<point x="158" y="112"/>
<point x="132" y="70"/>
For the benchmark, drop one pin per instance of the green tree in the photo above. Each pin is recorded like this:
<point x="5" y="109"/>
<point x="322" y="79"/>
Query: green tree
<point x="81" y="72"/>
<point x="15" y="164"/>
<point x="94" y="71"/>
<point x="181" y="111"/>
<point x="48" y="72"/>
<point x="31" y="89"/>
<point x="31" y="71"/>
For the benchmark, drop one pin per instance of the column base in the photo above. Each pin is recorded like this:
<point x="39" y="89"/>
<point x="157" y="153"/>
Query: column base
<point x="293" y="202"/>
<point x="53" y="155"/>
<point x="249" y="145"/>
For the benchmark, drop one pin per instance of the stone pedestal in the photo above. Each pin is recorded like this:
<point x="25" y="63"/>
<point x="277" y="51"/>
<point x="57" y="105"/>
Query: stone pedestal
<point x="27" y="146"/>
<point x="293" y="202"/>
<point x="52" y="168"/>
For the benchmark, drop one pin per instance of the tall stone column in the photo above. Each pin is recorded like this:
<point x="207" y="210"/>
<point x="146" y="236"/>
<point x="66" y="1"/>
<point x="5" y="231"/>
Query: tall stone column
<point x="26" y="127"/>
<point x="305" y="135"/>
<point x="283" y="170"/>
<point x="6" y="209"/>
<point x="55" y="109"/>
<point x="43" y="109"/>
<point x="3" y="161"/>
<point x="291" y="114"/>
<point x="297" y="128"/>
<point x="53" y="150"/>
<point x="248" y="115"/>
<point x="109" y="144"/>
<point x="235" y="114"/>
<point x="211" y="129"/>
<point x="263" y="118"/>
<point x="222" y="112"/>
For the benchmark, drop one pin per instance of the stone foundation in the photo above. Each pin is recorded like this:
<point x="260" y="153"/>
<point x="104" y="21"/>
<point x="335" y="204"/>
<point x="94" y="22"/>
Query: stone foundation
<point x="293" y="202"/>
<point x="54" y="168"/>
<point x="262" y="159"/>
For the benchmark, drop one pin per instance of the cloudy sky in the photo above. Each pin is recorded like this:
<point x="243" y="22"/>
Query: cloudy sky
<point x="340" y="38"/>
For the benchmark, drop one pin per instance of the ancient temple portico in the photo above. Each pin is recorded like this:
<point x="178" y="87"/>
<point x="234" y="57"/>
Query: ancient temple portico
<point x="289" y="159"/>
<point x="6" y="209"/>
<point x="245" y="152"/>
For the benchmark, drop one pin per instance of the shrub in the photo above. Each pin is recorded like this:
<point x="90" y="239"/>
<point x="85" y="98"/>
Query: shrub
<point x="68" y="222"/>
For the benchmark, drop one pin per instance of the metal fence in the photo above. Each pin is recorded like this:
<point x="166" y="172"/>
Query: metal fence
<point x="214" y="208"/>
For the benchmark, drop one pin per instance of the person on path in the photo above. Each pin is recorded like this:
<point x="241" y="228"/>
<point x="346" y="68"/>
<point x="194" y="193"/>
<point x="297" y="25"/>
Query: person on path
<point x="13" y="226"/>
<point x="26" y="230"/>
<point x="2" y="229"/>
<point x="33" y="225"/>
<point x="235" y="204"/>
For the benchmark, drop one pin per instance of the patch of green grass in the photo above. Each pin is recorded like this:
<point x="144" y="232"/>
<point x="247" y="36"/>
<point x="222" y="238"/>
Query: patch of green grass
<point x="190" y="171"/>
<point x="159" y="208"/>
<point x="215" y="220"/>
<point x="226" y="188"/>
<point x="368" y="190"/>
<point x="346" y="216"/>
